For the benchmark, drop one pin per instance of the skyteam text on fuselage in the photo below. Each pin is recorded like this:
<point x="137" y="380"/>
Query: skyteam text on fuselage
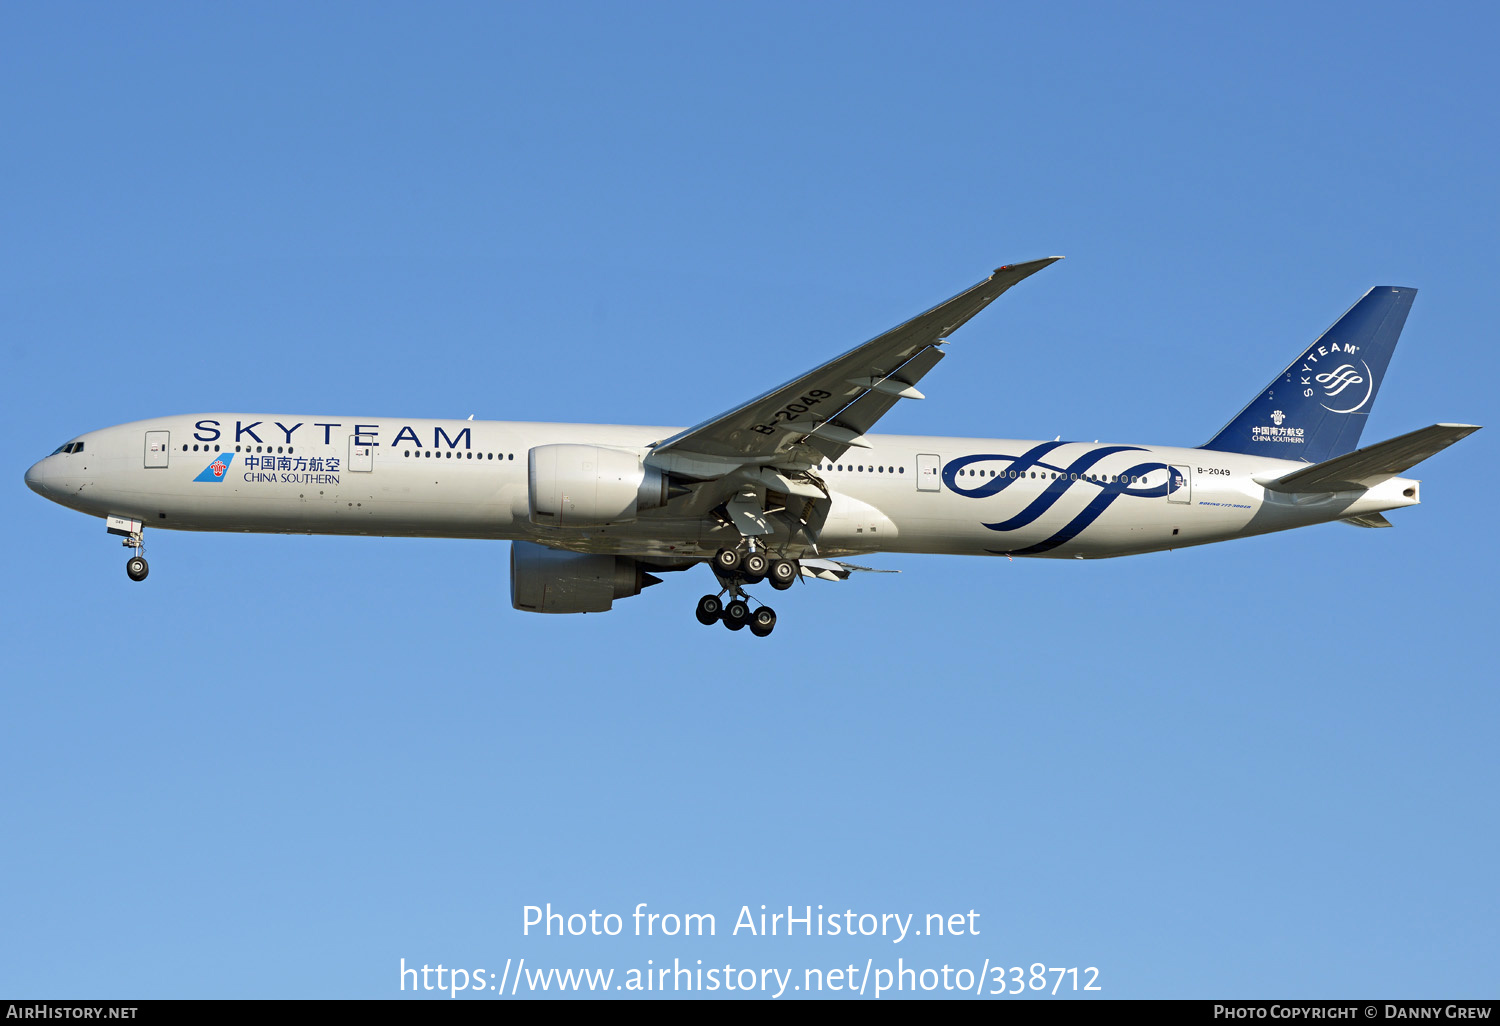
<point x="785" y="486"/>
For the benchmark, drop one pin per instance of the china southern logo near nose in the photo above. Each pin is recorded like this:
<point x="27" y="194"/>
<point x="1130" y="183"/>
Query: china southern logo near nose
<point x="215" y="470"/>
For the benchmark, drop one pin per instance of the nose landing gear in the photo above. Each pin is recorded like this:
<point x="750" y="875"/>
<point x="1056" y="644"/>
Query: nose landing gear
<point x="133" y="532"/>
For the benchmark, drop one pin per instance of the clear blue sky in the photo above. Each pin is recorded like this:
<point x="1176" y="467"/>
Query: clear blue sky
<point x="1263" y="768"/>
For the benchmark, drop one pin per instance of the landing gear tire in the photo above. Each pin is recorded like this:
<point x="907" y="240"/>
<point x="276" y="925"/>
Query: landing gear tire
<point x="727" y="561"/>
<point x="763" y="622"/>
<point x="754" y="567"/>
<point x="136" y="568"/>
<point x="709" y="610"/>
<point x="784" y="574"/>
<point x="737" y="615"/>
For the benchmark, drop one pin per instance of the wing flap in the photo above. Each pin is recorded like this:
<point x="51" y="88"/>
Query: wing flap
<point x="836" y="569"/>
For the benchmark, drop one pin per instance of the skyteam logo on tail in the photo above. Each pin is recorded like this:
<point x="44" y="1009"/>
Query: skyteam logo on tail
<point x="1342" y="377"/>
<point x="214" y="472"/>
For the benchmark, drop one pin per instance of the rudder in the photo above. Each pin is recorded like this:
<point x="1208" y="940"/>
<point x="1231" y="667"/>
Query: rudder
<point x="1317" y="408"/>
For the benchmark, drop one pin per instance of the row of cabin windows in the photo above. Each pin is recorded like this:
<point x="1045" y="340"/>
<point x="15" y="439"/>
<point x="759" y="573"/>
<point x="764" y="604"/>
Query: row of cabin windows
<point x="1048" y="475"/>
<point x="246" y="448"/>
<point x="419" y="453"/>
<point x="1017" y="475"/>
<point x="862" y="469"/>
<point x="278" y="448"/>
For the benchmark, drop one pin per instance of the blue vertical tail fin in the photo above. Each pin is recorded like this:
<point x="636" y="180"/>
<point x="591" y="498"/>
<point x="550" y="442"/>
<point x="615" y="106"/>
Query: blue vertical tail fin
<point x="1316" y="408"/>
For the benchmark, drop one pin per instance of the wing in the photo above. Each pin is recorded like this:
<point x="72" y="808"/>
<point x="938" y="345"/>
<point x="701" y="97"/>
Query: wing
<point x="830" y="408"/>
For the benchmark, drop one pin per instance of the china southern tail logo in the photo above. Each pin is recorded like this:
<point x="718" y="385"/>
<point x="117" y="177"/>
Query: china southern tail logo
<point x="215" y="470"/>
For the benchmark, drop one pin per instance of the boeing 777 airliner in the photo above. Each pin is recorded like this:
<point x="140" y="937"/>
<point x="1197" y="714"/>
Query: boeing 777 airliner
<point x="777" y="488"/>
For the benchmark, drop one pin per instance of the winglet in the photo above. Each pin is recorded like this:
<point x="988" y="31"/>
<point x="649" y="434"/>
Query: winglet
<point x="1015" y="272"/>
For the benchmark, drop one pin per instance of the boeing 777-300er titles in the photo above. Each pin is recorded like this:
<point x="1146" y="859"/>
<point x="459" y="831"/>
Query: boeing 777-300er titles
<point x="781" y="487"/>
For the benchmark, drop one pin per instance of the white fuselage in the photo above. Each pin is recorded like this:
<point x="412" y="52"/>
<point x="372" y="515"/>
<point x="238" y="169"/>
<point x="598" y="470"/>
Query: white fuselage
<point x="469" y="479"/>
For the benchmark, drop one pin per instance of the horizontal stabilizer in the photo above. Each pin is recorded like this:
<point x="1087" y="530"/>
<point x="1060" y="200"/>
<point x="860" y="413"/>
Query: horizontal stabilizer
<point x="1367" y="520"/>
<point x="1367" y="467"/>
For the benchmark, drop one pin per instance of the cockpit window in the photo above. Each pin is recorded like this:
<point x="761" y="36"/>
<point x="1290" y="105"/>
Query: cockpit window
<point x="70" y="447"/>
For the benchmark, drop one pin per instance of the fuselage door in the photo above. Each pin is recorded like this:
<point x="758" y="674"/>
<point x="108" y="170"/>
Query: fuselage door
<point x="929" y="472"/>
<point x="1179" y="484"/>
<point x="361" y="457"/>
<point x="158" y="443"/>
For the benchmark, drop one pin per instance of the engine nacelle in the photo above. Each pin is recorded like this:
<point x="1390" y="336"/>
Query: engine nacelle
<point x="587" y="486"/>
<point x="544" y="580"/>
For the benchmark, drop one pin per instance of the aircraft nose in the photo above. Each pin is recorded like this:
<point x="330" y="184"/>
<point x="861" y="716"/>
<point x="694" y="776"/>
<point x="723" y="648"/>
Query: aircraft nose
<point x="42" y="478"/>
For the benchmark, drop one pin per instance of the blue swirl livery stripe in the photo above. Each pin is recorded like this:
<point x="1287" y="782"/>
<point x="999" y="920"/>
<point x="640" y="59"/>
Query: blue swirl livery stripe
<point x="1068" y="476"/>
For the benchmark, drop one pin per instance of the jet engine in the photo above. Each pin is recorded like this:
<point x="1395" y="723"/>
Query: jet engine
<point x="544" y="580"/>
<point x="587" y="486"/>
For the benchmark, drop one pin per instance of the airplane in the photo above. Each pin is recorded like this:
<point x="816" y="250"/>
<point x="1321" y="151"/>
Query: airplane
<point x="782" y="488"/>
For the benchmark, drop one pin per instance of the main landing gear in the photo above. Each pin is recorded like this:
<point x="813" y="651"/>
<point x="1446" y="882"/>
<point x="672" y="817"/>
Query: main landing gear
<point x="735" y="570"/>
<point x="754" y="567"/>
<point x="736" y="614"/>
